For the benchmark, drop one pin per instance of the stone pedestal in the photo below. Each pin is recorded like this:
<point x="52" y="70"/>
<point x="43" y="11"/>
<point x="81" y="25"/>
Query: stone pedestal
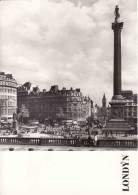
<point x="117" y="107"/>
<point x="117" y="122"/>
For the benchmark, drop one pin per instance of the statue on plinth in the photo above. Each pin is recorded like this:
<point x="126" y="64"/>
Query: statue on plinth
<point x="117" y="15"/>
<point x="14" y="123"/>
<point x="14" y="116"/>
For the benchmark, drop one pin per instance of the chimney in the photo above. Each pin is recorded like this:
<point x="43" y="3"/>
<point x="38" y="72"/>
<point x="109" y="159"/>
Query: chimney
<point x="78" y="90"/>
<point x="54" y="88"/>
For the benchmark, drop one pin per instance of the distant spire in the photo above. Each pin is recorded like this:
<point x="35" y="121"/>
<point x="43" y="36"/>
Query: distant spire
<point x="104" y="98"/>
<point x="104" y="101"/>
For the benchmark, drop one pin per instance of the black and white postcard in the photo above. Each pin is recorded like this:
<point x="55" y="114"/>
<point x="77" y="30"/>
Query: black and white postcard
<point x="68" y="97"/>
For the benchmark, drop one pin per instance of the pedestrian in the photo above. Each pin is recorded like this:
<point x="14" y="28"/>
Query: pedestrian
<point x="95" y="140"/>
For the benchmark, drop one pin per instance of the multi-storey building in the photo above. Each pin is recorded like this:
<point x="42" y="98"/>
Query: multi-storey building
<point x="8" y="96"/>
<point x="130" y="108"/>
<point x="67" y="105"/>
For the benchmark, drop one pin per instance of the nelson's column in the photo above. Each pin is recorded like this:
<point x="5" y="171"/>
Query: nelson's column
<point x="117" y="122"/>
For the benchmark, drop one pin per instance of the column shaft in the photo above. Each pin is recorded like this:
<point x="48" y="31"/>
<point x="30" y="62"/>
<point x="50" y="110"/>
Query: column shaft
<point x="117" y="62"/>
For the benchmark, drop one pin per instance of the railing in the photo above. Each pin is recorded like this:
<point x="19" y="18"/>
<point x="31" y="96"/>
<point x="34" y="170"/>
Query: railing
<point x="45" y="141"/>
<point x="68" y="142"/>
<point x="118" y="143"/>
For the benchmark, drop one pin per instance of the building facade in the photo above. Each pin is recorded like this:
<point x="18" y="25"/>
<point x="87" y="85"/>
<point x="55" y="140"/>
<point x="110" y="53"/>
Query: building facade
<point x="8" y="96"/>
<point x="66" y="105"/>
<point x="130" y="108"/>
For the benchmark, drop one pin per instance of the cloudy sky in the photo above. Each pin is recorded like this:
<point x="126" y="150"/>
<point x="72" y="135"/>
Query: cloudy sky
<point x="68" y="43"/>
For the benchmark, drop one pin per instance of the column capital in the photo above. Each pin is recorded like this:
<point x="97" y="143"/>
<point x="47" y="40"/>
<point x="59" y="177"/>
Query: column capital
<point x="117" y="26"/>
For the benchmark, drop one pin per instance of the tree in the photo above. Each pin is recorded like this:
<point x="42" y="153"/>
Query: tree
<point x="2" y="102"/>
<point x="0" y="108"/>
<point x="60" y="115"/>
<point x="23" y="113"/>
<point x="102" y="114"/>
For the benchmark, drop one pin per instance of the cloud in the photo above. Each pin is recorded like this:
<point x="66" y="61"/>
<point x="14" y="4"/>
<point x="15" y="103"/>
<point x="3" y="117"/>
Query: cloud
<point x="67" y="43"/>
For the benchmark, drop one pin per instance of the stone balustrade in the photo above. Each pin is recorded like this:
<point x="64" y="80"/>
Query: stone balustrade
<point x="68" y="142"/>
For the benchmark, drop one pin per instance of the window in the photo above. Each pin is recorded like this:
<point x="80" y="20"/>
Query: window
<point x="129" y="113"/>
